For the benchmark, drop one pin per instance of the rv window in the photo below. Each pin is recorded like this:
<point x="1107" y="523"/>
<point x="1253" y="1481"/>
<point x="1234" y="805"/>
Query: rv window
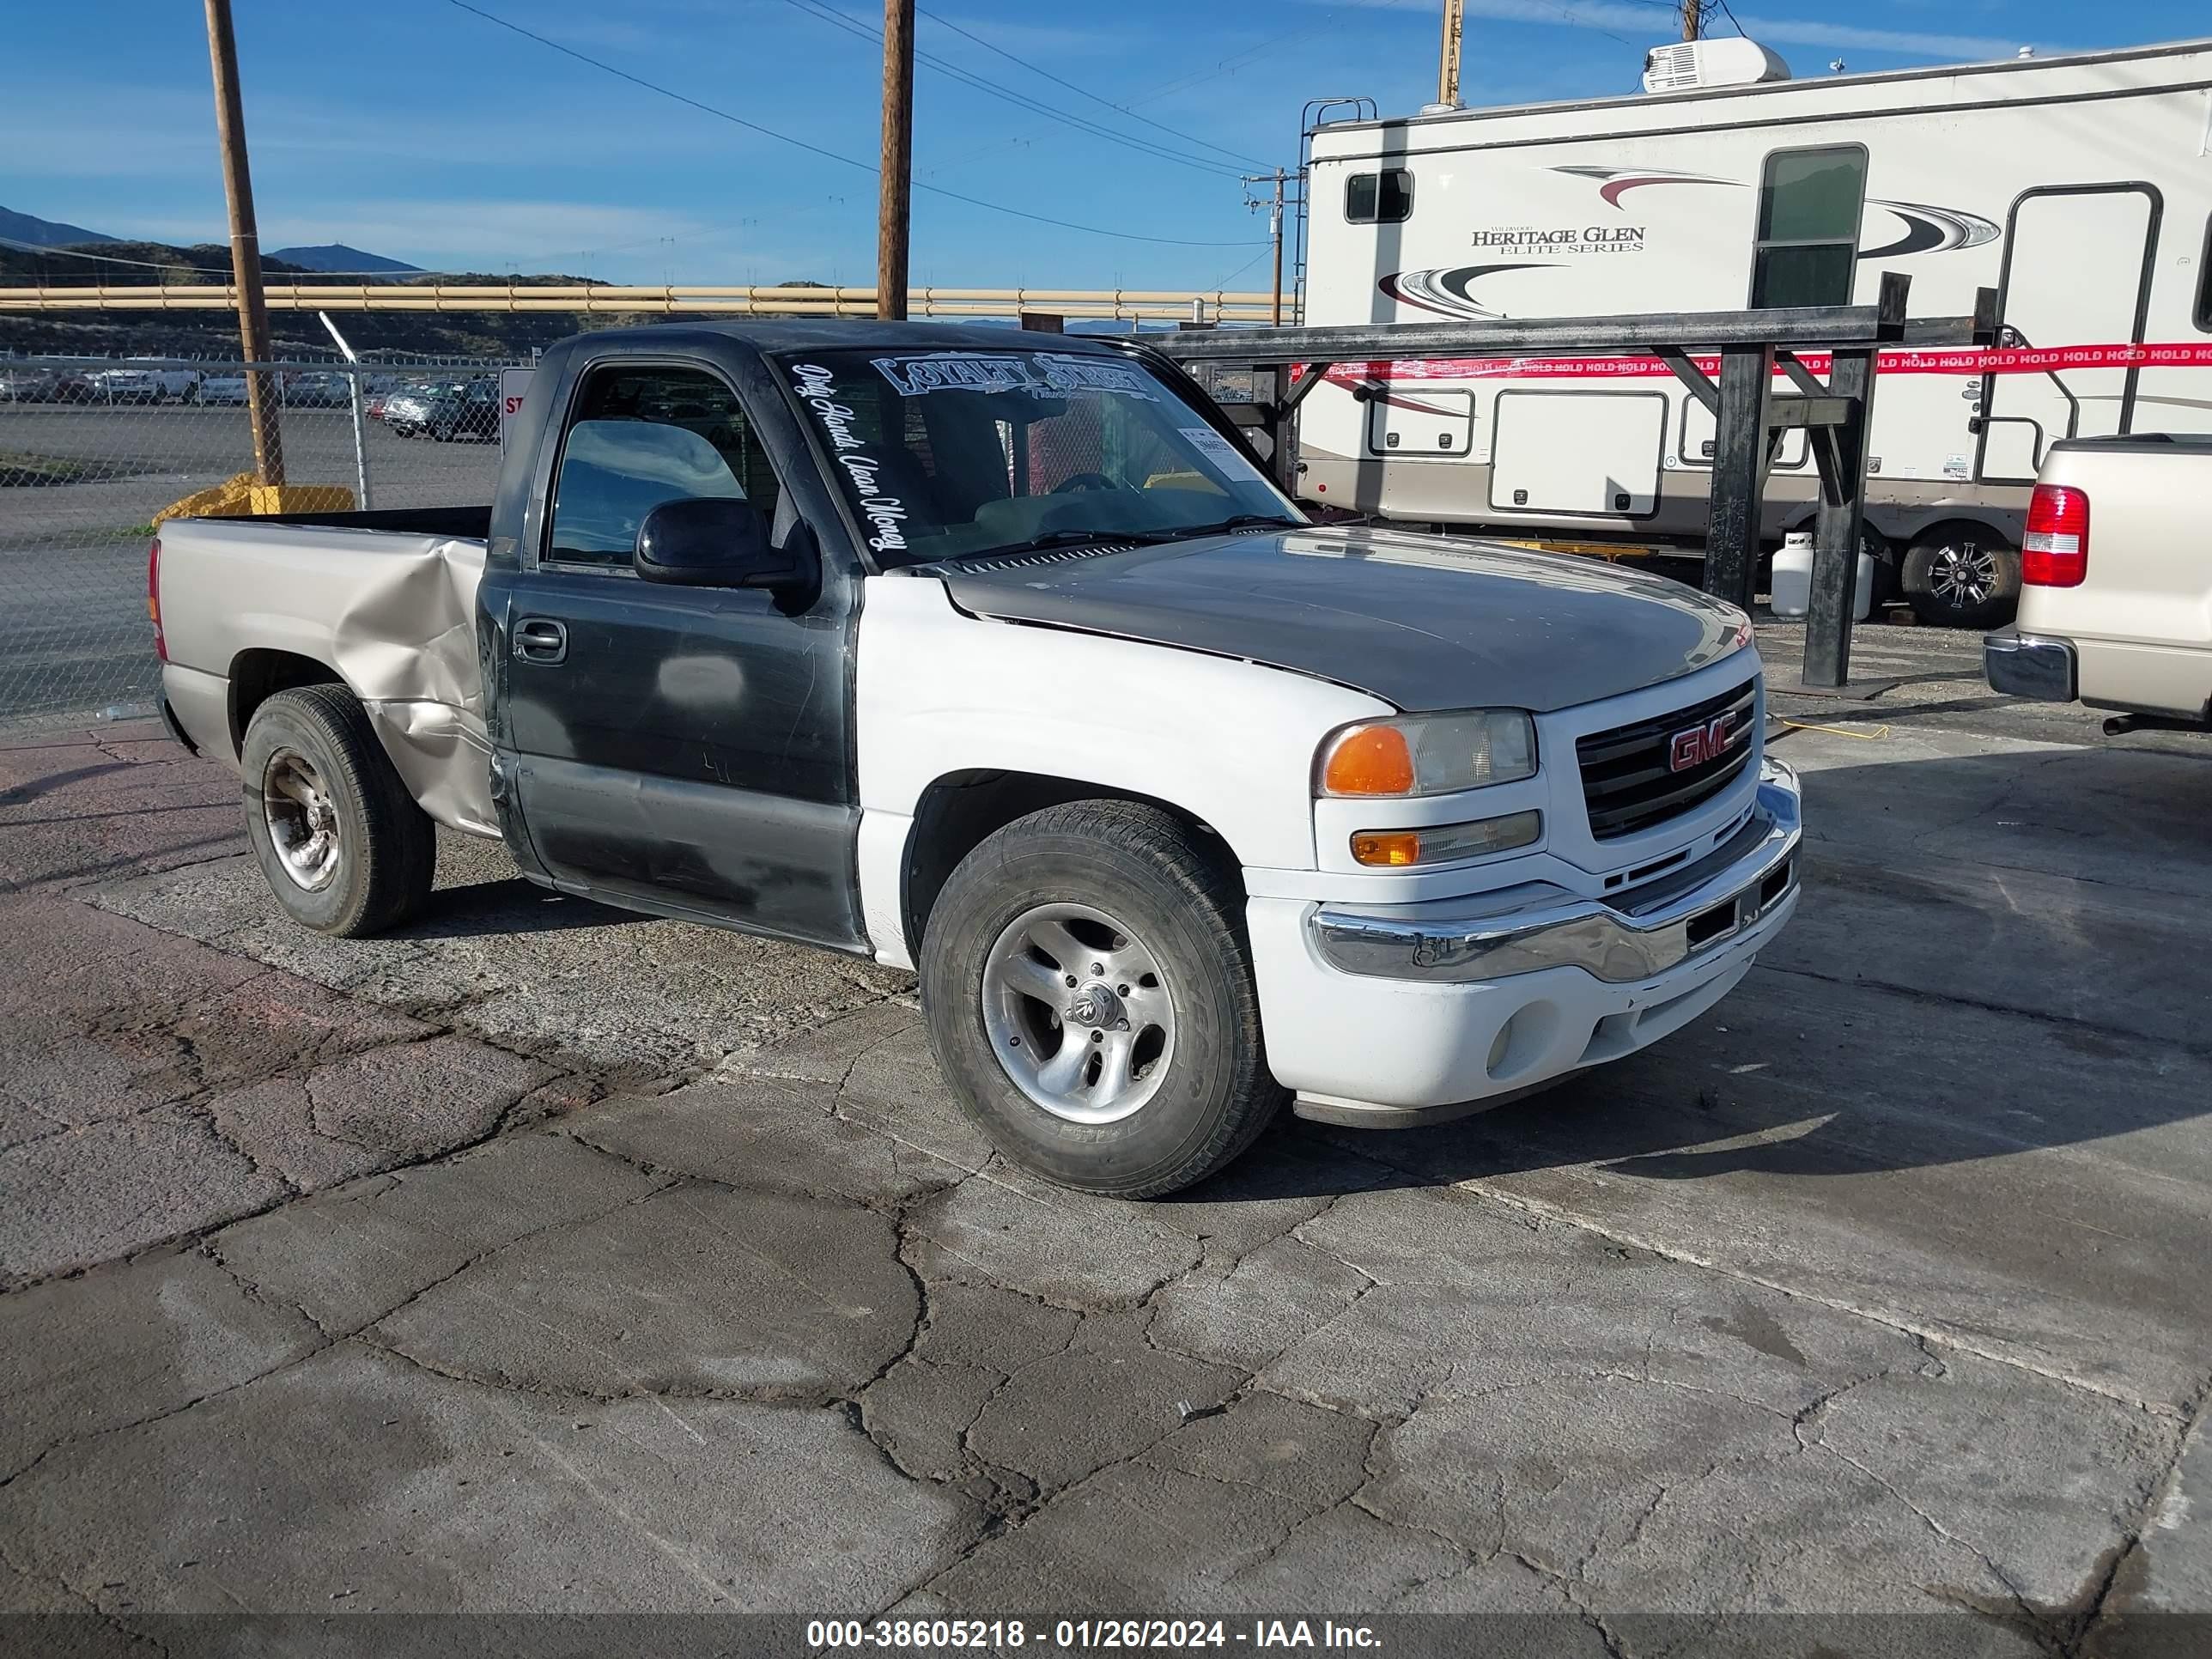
<point x="1379" y="198"/>
<point x="1809" y="203"/>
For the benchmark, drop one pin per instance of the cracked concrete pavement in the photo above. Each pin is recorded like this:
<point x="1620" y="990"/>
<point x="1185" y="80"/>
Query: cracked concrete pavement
<point x="542" y="1258"/>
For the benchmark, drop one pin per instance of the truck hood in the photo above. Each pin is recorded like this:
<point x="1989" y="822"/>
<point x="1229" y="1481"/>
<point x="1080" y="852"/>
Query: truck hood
<point x="1421" y="621"/>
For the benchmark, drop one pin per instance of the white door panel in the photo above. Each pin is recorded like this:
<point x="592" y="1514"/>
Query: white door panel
<point x="2074" y="276"/>
<point x="1577" y="452"/>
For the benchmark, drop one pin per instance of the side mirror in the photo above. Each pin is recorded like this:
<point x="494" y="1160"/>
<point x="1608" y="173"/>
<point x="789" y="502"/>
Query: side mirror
<point x="712" y="541"/>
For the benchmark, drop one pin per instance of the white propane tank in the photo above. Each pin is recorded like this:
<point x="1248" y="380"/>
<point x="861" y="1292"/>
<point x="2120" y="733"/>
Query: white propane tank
<point x="1791" y="589"/>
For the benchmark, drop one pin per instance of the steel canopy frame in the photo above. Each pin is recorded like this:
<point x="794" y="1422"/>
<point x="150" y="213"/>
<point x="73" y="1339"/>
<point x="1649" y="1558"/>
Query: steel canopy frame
<point x="1749" y="414"/>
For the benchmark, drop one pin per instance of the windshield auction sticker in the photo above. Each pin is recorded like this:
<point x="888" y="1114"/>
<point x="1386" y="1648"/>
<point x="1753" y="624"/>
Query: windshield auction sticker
<point x="1042" y="374"/>
<point x="1225" y="455"/>
<point x="885" y="514"/>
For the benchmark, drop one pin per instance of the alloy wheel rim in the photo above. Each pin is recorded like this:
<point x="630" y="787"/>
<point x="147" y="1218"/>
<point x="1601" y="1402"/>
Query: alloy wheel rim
<point x="1963" y="573"/>
<point x="302" y="819"/>
<point x="1078" y="1014"/>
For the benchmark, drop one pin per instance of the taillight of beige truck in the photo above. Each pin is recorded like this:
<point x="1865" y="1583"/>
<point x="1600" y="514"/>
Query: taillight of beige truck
<point x="2055" y="551"/>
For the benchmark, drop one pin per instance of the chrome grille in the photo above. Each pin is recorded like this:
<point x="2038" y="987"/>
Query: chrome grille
<point x="1629" y="780"/>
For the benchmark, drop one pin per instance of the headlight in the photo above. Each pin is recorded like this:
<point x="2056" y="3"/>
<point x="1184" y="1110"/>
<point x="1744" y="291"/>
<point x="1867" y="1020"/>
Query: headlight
<point x="1427" y="754"/>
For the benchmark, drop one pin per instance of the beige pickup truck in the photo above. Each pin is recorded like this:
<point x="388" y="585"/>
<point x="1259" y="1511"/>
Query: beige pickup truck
<point x="2116" y="583"/>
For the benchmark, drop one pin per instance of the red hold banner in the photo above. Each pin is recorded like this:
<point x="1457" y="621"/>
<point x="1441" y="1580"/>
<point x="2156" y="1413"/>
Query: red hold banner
<point x="1970" y="360"/>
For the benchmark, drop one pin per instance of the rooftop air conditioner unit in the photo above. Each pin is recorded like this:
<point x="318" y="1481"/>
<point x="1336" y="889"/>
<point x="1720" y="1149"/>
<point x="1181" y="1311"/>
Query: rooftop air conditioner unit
<point x="1692" y="66"/>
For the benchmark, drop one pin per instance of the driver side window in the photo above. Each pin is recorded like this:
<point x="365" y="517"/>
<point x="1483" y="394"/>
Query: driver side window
<point x="641" y="436"/>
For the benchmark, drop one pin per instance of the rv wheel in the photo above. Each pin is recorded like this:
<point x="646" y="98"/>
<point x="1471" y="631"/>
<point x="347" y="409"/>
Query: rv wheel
<point x="1962" y="576"/>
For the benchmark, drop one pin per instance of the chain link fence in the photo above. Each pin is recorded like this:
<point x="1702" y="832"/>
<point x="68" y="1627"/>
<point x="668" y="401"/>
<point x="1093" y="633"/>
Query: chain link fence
<point x="91" y="449"/>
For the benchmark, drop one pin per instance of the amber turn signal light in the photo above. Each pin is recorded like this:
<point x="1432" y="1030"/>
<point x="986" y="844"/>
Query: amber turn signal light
<point x="1441" y="843"/>
<point x="1370" y="760"/>
<point x="1387" y="847"/>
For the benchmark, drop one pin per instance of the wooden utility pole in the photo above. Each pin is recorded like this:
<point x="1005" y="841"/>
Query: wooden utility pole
<point x="1693" y="19"/>
<point x="1275" y="231"/>
<point x="1448" y="54"/>
<point x="894" y="206"/>
<point x="261" y="392"/>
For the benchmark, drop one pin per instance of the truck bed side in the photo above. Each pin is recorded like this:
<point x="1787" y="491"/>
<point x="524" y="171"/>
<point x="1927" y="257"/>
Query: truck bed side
<point x="247" y="604"/>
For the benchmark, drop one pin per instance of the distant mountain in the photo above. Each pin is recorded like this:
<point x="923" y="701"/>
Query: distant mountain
<point x="337" y="256"/>
<point x="46" y="233"/>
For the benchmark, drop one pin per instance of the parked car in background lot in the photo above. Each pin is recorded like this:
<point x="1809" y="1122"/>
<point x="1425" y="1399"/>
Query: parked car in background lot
<point x="318" y="389"/>
<point x="1008" y="664"/>
<point x="150" y="383"/>
<point x="470" y="412"/>
<point x="222" y="389"/>
<point x="407" y="412"/>
<point x="29" y="385"/>
<point x="2115" y="584"/>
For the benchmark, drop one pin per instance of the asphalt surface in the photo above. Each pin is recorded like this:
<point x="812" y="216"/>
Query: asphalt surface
<point x="547" y="1259"/>
<point x="73" y="553"/>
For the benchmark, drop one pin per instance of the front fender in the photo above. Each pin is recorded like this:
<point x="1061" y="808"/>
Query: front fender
<point x="940" y="692"/>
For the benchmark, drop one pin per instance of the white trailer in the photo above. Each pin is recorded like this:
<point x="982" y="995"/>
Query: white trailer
<point x="2079" y="187"/>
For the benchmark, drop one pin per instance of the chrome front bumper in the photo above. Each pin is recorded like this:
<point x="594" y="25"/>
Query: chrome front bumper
<point x="1641" y="934"/>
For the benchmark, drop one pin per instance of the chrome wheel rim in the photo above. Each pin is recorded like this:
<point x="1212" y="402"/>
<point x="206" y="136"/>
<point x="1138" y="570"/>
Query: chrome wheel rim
<point x="302" y="818"/>
<point x="1079" y="1016"/>
<point x="1962" y="573"/>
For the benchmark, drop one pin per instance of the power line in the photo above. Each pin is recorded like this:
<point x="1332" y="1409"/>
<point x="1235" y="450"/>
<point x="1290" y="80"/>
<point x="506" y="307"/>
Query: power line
<point x="1190" y="139"/>
<point x="1236" y="60"/>
<point x="1143" y="146"/>
<point x="1228" y="65"/>
<point x="816" y="149"/>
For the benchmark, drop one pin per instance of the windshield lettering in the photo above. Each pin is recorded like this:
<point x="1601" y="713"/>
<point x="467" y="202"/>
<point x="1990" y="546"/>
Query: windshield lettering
<point x="953" y="454"/>
<point x="1045" y="374"/>
<point x="818" y="387"/>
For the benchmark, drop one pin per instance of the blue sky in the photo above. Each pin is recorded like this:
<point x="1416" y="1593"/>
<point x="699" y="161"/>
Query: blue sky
<point x="418" y="129"/>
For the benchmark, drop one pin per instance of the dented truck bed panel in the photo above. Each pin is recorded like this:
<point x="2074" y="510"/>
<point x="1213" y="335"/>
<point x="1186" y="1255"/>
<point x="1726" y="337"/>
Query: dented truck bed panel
<point x="393" y="613"/>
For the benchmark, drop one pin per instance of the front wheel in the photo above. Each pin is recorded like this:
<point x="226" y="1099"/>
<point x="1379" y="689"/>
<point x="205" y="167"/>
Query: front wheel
<point x="1089" y="991"/>
<point x="1962" y="576"/>
<point x="342" y="844"/>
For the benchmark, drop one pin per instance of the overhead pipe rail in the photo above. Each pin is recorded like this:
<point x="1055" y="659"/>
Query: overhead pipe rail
<point x="1123" y="304"/>
<point x="1750" y="414"/>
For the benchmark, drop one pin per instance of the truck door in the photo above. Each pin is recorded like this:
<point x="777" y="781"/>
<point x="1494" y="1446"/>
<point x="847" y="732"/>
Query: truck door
<point x="2077" y="268"/>
<point x="685" y="746"/>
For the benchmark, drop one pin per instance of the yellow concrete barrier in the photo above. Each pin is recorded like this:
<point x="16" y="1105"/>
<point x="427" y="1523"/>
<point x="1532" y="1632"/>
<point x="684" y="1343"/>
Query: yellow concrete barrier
<point x="240" y="497"/>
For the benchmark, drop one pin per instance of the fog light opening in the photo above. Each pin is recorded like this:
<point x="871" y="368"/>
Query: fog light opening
<point x="1523" y="1043"/>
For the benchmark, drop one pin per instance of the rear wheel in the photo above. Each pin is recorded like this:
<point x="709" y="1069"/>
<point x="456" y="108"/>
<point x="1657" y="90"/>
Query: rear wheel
<point x="1089" y="994"/>
<point x="342" y="846"/>
<point x="1962" y="576"/>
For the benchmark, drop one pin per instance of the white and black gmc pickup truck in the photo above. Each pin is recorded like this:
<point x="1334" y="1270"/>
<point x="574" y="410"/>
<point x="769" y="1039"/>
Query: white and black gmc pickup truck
<point x="1000" y="658"/>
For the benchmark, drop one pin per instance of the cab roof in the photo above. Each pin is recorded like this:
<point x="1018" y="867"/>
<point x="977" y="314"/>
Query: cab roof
<point x="801" y="333"/>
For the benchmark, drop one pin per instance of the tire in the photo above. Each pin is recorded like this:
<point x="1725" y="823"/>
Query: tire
<point x="1199" y="1078"/>
<point x="1962" y="576"/>
<point x="1885" y="560"/>
<point x="311" y="763"/>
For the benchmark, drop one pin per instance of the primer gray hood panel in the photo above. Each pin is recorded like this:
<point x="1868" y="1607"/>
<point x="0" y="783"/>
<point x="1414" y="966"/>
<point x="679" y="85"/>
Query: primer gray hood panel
<point x="1421" y="621"/>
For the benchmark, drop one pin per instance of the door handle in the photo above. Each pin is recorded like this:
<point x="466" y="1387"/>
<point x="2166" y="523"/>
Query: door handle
<point x="540" y="639"/>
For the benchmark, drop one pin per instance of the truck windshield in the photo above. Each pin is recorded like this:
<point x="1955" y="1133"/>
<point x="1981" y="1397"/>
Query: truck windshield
<point x="943" y="454"/>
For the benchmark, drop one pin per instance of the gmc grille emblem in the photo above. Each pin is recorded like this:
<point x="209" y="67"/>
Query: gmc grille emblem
<point x="1695" y="746"/>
